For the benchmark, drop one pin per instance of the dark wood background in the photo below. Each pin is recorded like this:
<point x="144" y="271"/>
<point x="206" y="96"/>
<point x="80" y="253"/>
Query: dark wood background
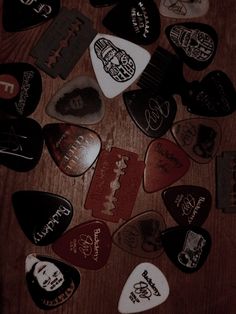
<point x="211" y="290"/>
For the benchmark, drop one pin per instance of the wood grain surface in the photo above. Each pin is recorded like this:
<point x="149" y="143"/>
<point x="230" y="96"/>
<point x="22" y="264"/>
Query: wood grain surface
<point x="212" y="289"/>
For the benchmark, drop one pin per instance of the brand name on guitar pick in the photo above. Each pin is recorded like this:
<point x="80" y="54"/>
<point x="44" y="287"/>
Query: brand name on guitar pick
<point x="140" y="19"/>
<point x="25" y="86"/>
<point x="61" y="298"/>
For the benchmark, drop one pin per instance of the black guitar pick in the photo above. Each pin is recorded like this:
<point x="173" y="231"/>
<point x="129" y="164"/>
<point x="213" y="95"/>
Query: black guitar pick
<point x="42" y="216"/>
<point x="50" y="282"/>
<point x="187" y="247"/>
<point x="194" y="43"/>
<point x="21" y="143"/>
<point x="151" y="113"/>
<point x="102" y="3"/>
<point x="135" y="20"/>
<point x="19" y="15"/>
<point x="20" y="88"/>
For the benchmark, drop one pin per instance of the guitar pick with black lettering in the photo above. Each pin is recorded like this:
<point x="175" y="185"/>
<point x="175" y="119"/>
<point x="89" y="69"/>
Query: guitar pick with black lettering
<point x="73" y="148"/>
<point x="188" y="204"/>
<point x="152" y="113"/>
<point x="42" y="216"/>
<point x="194" y="43"/>
<point x="145" y="288"/>
<point x="19" y="15"/>
<point x="134" y="20"/>
<point x="20" y="88"/>
<point x="87" y="245"/>
<point x="187" y="247"/>
<point x="50" y="282"/>
<point x="21" y="143"/>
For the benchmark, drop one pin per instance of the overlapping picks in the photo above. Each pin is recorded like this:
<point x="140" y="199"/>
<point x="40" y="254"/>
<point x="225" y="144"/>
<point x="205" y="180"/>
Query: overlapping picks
<point x="50" y="282"/>
<point x="117" y="63"/>
<point x="87" y="245"/>
<point x="140" y="21"/>
<point x="145" y="288"/>
<point x="188" y="204"/>
<point x="42" y="216"/>
<point x="79" y="101"/>
<point x="74" y="149"/>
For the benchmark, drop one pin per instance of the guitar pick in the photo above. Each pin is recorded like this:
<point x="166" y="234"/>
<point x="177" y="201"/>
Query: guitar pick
<point x="165" y="164"/>
<point x="140" y="235"/>
<point x="20" y="88"/>
<point x="188" y="204"/>
<point x="102" y="3"/>
<point x="19" y="15"/>
<point x="87" y="245"/>
<point x="117" y="63"/>
<point x="42" y="216"/>
<point x="140" y="21"/>
<point x="153" y="114"/>
<point x="145" y="288"/>
<point x="183" y="9"/>
<point x="50" y="282"/>
<point x="21" y="143"/>
<point x="195" y="43"/>
<point x="74" y="149"/>
<point x="187" y="247"/>
<point x="78" y="101"/>
<point x="200" y="138"/>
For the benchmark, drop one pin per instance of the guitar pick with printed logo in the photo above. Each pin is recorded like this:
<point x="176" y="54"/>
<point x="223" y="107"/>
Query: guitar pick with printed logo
<point x="188" y="204"/>
<point x="87" y="245"/>
<point x="145" y="288"/>
<point x="187" y="247"/>
<point x="20" y="88"/>
<point x="50" y="282"/>
<point x="42" y="216"/>
<point x="117" y="63"/>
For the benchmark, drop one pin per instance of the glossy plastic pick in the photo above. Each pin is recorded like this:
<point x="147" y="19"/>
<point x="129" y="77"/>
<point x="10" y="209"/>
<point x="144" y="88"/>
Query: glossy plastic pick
<point x="20" y="88"/>
<point x="140" y="235"/>
<point x="187" y="247"/>
<point x="194" y="43"/>
<point x="74" y="149"/>
<point x="21" y="143"/>
<point x="117" y="63"/>
<point x="152" y="113"/>
<point x="50" y="282"/>
<point x="200" y="138"/>
<point x="165" y="164"/>
<point x="87" y="245"/>
<point x="42" y="216"/>
<point x="188" y="204"/>
<point x="140" y="21"/>
<point x="145" y="288"/>
<point x="19" y="15"/>
<point x="79" y="101"/>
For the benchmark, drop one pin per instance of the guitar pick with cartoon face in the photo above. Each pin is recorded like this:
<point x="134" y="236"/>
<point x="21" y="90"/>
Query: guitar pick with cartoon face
<point x="145" y="288"/>
<point x="188" y="204"/>
<point x="79" y="101"/>
<point x="117" y="63"/>
<point x="194" y="43"/>
<point x="140" y="21"/>
<point x="19" y="15"/>
<point x="140" y="235"/>
<point x="21" y="143"/>
<point x="42" y="216"/>
<point x="87" y="245"/>
<point x="20" y="88"/>
<point x="187" y="247"/>
<point x="153" y="114"/>
<point x="74" y="149"/>
<point x="50" y="282"/>
<point x="199" y="138"/>
<point x="165" y="164"/>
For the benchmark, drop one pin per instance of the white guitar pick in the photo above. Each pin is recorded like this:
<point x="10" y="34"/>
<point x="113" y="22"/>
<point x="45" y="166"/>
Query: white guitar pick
<point x="183" y="8"/>
<point x="145" y="288"/>
<point x="117" y="63"/>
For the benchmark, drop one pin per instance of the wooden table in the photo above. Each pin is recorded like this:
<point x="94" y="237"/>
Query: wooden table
<point x="212" y="289"/>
